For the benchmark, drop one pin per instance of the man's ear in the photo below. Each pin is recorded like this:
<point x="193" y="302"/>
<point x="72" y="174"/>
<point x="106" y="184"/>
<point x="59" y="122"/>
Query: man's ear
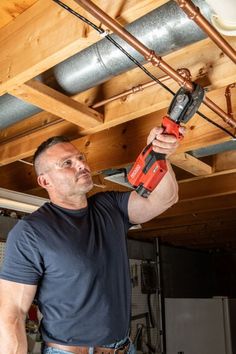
<point x="43" y="181"/>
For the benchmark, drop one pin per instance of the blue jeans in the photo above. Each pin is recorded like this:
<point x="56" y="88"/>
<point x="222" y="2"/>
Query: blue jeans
<point x="50" y="350"/>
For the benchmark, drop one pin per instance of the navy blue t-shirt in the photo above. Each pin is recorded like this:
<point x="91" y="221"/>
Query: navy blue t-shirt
<point x="78" y="259"/>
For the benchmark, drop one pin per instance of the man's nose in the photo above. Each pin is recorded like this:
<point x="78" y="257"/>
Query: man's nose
<point x="80" y="164"/>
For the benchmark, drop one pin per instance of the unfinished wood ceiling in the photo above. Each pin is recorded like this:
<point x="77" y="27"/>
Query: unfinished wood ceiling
<point x="37" y="35"/>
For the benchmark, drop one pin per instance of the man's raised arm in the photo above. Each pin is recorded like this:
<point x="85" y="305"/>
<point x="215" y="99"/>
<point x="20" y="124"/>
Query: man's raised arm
<point x="165" y="194"/>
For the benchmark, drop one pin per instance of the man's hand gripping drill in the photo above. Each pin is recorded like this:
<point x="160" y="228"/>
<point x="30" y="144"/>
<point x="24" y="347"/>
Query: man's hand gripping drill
<point x="150" y="166"/>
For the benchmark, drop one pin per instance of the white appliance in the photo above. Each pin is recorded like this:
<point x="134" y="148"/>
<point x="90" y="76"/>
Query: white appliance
<point x="200" y="326"/>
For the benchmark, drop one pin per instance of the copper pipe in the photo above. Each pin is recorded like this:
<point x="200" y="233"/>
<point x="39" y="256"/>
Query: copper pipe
<point x="194" y="14"/>
<point x="226" y="118"/>
<point x="183" y="72"/>
<point x="228" y="99"/>
<point x="134" y="89"/>
<point x="149" y="55"/>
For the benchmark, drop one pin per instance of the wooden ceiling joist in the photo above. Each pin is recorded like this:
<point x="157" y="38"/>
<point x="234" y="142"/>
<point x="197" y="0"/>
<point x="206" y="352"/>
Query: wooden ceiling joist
<point x="191" y="164"/>
<point x="50" y="100"/>
<point x="214" y="220"/>
<point x="212" y="185"/>
<point x="185" y="230"/>
<point x="49" y="35"/>
<point x="184" y="234"/>
<point x="40" y="42"/>
<point x="9" y="10"/>
<point x="201" y="235"/>
<point x="209" y="204"/>
<point x="115" y="147"/>
<point x="225" y="161"/>
<point x="200" y="195"/>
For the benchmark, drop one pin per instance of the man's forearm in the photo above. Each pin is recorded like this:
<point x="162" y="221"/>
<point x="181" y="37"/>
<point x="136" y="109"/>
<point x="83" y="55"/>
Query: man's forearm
<point x="141" y="209"/>
<point x="168" y="190"/>
<point x="13" y="336"/>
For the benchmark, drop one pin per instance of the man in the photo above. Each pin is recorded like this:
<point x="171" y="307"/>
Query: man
<point x="71" y="254"/>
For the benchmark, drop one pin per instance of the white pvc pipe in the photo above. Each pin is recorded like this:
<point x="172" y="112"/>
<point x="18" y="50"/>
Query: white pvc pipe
<point x="224" y="19"/>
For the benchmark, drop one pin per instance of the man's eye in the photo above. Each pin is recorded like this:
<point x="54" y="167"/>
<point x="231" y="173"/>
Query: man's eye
<point x="67" y="163"/>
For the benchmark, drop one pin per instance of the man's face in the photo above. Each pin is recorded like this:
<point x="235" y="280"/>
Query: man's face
<point x="65" y="170"/>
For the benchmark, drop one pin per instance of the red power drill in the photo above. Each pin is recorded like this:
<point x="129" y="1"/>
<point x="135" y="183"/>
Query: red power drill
<point x="150" y="166"/>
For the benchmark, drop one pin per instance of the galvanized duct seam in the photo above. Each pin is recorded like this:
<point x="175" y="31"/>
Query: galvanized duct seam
<point x="165" y="30"/>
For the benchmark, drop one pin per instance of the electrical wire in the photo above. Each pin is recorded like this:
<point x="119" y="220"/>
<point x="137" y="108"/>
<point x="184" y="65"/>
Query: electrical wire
<point x="109" y="38"/>
<point x="135" y="61"/>
<point x="215" y="124"/>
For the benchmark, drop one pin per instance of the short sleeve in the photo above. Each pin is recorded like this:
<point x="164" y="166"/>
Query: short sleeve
<point x="122" y="199"/>
<point x="22" y="261"/>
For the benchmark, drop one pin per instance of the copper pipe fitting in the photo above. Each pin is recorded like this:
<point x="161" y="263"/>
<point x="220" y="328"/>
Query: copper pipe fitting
<point x="194" y="14"/>
<point x="133" y="90"/>
<point x="228" y="99"/>
<point x="150" y="55"/>
<point x="185" y="73"/>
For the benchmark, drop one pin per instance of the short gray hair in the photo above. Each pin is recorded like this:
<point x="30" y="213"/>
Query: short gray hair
<point x="46" y="145"/>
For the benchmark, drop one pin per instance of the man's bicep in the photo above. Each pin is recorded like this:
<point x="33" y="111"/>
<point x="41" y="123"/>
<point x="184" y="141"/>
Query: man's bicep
<point x="137" y="208"/>
<point x="16" y="297"/>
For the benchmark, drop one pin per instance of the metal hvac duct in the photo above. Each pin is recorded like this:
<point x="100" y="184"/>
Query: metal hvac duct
<point x="165" y="30"/>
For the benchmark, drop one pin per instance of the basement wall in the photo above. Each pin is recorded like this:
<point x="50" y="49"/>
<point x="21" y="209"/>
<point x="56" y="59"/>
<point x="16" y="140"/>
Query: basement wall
<point x="224" y="265"/>
<point x="189" y="273"/>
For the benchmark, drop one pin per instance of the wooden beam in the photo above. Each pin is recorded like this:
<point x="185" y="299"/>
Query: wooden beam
<point x="46" y="34"/>
<point x="207" y="63"/>
<point x="222" y="202"/>
<point x="228" y="245"/>
<point x="201" y="236"/>
<point x="183" y="235"/>
<point x="191" y="164"/>
<point x="25" y="146"/>
<point x="120" y="144"/>
<point x="186" y="232"/>
<point x="196" y="195"/>
<point x="210" y="186"/>
<point x="225" y="161"/>
<point x="199" y="130"/>
<point x="10" y="9"/>
<point x="207" y="242"/>
<point x="18" y="177"/>
<point x="50" y="100"/>
<point x="215" y="220"/>
<point x="145" y="103"/>
<point x="41" y="121"/>
<point x="34" y="37"/>
<point x="195" y="240"/>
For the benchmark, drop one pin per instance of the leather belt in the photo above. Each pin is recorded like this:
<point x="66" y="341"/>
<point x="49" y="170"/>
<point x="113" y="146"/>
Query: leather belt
<point x="123" y="349"/>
